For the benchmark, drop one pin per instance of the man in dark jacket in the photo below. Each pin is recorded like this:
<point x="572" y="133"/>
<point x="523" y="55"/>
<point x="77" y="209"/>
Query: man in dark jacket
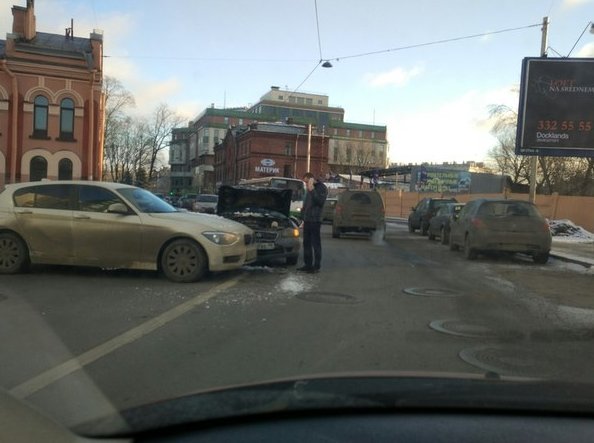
<point x="315" y="196"/>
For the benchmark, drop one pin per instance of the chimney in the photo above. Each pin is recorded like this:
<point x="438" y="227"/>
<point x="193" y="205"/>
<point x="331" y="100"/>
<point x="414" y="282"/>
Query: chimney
<point x="23" y="20"/>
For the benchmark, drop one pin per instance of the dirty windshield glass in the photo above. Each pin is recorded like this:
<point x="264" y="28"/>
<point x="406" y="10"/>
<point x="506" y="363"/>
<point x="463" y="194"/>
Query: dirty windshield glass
<point x="128" y="277"/>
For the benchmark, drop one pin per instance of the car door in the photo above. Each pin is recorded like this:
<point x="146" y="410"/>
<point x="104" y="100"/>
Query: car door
<point x="44" y="217"/>
<point x="417" y="213"/>
<point x="458" y="224"/>
<point x="102" y="238"/>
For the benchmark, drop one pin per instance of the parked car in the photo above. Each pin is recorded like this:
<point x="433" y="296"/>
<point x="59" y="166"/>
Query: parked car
<point x="186" y="201"/>
<point x="111" y="225"/>
<point x="358" y="211"/>
<point x="421" y="214"/>
<point x="328" y="210"/>
<point x="206" y="203"/>
<point x="501" y="225"/>
<point x="267" y="212"/>
<point x="439" y="225"/>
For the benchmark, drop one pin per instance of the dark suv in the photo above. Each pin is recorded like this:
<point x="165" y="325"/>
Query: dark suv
<point x="421" y="214"/>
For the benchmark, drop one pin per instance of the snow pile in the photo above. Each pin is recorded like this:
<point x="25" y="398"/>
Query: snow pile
<point x="567" y="230"/>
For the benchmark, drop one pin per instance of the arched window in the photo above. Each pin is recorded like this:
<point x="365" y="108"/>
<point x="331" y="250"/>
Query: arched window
<point x="37" y="168"/>
<point x="67" y="119"/>
<point x="40" y="107"/>
<point x="65" y="169"/>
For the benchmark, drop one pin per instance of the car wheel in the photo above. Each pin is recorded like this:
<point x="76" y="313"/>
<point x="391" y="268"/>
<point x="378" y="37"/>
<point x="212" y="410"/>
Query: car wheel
<point x="335" y="232"/>
<point x="410" y="227"/>
<point x="14" y="255"/>
<point x="292" y="261"/>
<point x="443" y="237"/>
<point x="541" y="258"/>
<point x="184" y="261"/>
<point x="469" y="253"/>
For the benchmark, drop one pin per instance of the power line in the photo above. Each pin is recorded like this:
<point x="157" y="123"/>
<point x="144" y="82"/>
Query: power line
<point x="435" y="42"/>
<point x="318" y="27"/>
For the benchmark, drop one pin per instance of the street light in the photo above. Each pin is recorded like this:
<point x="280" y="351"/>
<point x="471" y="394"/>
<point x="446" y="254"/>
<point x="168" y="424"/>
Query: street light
<point x="326" y="64"/>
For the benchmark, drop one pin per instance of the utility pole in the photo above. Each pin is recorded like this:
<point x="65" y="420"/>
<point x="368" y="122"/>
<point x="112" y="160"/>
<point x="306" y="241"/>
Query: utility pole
<point x="534" y="158"/>
<point x="308" y="147"/>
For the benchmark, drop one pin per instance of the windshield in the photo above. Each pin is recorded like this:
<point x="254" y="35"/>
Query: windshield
<point x="146" y="201"/>
<point x="128" y="278"/>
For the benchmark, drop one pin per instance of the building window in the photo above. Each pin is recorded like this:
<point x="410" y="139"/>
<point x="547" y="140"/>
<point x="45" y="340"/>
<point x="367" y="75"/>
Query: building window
<point x="360" y="134"/>
<point x="67" y="119"/>
<point x="280" y="97"/>
<point x="226" y="120"/>
<point x="335" y="131"/>
<point x="320" y="102"/>
<point x="349" y="154"/>
<point x="240" y="121"/>
<point x="40" y="108"/>
<point x="300" y="100"/>
<point x="292" y="99"/>
<point x="65" y="169"/>
<point x="37" y="169"/>
<point x="336" y="154"/>
<point x="288" y="148"/>
<point x="309" y="101"/>
<point x="348" y="132"/>
<point x="373" y="135"/>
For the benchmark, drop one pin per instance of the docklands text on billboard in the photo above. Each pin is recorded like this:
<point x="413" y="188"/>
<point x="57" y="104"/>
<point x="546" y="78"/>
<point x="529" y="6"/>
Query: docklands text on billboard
<point x="556" y="112"/>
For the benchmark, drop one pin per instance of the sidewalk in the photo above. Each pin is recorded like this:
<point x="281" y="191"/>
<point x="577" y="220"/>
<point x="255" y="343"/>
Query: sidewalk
<point x="575" y="252"/>
<point x="578" y="252"/>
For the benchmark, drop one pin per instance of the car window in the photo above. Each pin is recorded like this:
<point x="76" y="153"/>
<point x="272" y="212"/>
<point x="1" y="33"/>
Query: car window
<point x="44" y="197"/>
<point x="96" y="199"/>
<point x="503" y="209"/>
<point x="360" y="198"/>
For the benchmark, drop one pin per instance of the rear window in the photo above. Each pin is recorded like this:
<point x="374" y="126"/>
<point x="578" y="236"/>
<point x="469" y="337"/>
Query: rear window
<point x="360" y="198"/>
<point x="504" y="209"/>
<point x="207" y="198"/>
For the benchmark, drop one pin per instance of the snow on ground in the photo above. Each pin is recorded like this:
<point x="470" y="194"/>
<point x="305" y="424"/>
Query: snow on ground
<point x="567" y="231"/>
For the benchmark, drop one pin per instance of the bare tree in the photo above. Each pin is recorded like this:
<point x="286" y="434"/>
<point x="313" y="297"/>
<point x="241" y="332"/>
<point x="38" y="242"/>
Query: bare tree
<point x="504" y="129"/>
<point x="117" y="101"/>
<point x="159" y="127"/>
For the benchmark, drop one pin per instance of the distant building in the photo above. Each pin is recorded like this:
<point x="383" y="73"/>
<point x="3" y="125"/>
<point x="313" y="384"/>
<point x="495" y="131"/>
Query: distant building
<point x="350" y="147"/>
<point x="353" y="147"/>
<point x="51" y="103"/>
<point x="267" y="150"/>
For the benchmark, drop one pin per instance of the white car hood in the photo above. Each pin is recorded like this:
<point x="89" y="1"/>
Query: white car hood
<point x="207" y="221"/>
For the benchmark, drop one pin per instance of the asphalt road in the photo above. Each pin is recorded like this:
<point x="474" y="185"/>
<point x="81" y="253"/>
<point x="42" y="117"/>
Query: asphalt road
<point x="79" y="343"/>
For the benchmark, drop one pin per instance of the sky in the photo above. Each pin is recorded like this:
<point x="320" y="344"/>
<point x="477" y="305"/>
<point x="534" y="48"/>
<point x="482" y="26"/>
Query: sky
<point x="434" y="99"/>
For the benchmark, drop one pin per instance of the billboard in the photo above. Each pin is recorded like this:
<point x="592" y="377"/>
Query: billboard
<point x="440" y="180"/>
<point x="556" y="111"/>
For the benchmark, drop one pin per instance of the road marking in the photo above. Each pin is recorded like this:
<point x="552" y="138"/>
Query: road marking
<point x="74" y="364"/>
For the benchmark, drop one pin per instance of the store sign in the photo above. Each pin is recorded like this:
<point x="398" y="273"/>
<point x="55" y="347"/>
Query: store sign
<point x="267" y="167"/>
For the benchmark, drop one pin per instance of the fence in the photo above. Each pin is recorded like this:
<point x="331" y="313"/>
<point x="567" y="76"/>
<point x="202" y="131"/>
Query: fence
<point x="579" y="210"/>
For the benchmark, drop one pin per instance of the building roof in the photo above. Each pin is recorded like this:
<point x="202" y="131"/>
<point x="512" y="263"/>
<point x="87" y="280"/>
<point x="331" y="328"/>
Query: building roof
<point x="56" y="44"/>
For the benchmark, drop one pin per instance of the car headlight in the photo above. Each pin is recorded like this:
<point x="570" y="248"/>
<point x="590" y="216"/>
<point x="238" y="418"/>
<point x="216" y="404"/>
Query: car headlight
<point x="221" y="238"/>
<point x="291" y="232"/>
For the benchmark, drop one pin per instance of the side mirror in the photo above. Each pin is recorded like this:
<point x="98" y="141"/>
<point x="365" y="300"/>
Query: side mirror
<point x="118" y="208"/>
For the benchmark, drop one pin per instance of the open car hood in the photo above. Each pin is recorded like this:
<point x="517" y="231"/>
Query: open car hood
<point x="241" y="199"/>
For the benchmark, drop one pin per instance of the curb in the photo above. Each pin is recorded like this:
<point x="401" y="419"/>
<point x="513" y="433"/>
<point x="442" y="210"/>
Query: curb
<point x="587" y="263"/>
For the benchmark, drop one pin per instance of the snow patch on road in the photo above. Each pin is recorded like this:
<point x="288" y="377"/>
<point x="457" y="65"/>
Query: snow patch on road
<point x="295" y="284"/>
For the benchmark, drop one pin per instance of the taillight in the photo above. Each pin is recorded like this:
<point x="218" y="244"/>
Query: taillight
<point x="546" y="227"/>
<point x="477" y="223"/>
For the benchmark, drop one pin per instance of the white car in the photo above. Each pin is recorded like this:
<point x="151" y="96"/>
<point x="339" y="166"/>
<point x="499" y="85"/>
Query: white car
<point x="111" y="225"/>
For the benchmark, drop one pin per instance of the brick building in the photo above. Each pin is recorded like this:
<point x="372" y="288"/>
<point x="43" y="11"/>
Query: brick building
<point x="269" y="149"/>
<point x="51" y="103"/>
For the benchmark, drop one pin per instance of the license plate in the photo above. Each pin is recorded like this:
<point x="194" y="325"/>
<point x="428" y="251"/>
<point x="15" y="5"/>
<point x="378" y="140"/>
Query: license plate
<point x="266" y="246"/>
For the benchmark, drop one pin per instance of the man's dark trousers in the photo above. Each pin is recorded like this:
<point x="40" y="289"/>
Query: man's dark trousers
<point x="312" y="240"/>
